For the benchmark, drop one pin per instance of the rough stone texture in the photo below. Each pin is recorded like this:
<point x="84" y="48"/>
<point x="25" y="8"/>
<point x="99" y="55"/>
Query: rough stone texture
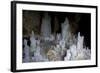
<point x="31" y="21"/>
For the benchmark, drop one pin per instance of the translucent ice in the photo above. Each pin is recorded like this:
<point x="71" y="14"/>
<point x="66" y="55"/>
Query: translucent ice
<point x="65" y="29"/>
<point x="46" y="25"/>
<point x="33" y="42"/>
<point x="26" y="52"/>
<point x="78" y="51"/>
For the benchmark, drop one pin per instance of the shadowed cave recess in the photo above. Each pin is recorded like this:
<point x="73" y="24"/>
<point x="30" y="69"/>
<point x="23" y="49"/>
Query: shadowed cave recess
<point x="56" y="36"/>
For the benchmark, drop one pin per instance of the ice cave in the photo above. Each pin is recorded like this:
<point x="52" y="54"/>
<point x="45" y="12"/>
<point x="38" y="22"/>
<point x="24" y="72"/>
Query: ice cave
<point x="51" y="36"/>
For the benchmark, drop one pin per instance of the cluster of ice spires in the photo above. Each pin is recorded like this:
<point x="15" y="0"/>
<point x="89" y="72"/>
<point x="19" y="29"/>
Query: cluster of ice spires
<point x="61" y="48"/>
<point x="78" y="51"/>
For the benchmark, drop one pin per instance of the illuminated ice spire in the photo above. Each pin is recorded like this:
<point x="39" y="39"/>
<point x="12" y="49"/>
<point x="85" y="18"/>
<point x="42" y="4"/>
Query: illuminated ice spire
<point x="26" y="51"/>
<point x="46" y="25"/>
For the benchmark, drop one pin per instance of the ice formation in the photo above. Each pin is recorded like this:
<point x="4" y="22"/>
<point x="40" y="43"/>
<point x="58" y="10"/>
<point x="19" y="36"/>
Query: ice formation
<point x="33" y="42"/>
<point x="78" y="52"/>
<point x="35" y="50"/>
<point x="37" y="56"/>
<point x="46" y="26"/>
<point x="55" y="47"/>
<point x="65" y="29"/>
<point x="26" y="51"/>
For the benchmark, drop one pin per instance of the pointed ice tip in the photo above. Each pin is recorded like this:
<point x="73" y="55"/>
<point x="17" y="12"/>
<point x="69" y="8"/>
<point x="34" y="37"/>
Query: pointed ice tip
<point x="66" y="20"/>
<point x="32" y="33"/>
<point x="25" y="42"/>
<point x="78" y="34"/>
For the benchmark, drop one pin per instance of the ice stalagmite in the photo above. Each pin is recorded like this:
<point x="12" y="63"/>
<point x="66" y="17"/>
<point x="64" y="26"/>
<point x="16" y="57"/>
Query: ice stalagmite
<point x="37" y="53"/>
<point x="37" y="56"/>
<point x="46" y="26"/>
<point x="33" y="44"/>
<point x="65" y="29"/>
<point x="78" y="51"/>
<point x="26" y="51"/>
<point x="80" y="41"/>
<point x="62" y="45"/>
